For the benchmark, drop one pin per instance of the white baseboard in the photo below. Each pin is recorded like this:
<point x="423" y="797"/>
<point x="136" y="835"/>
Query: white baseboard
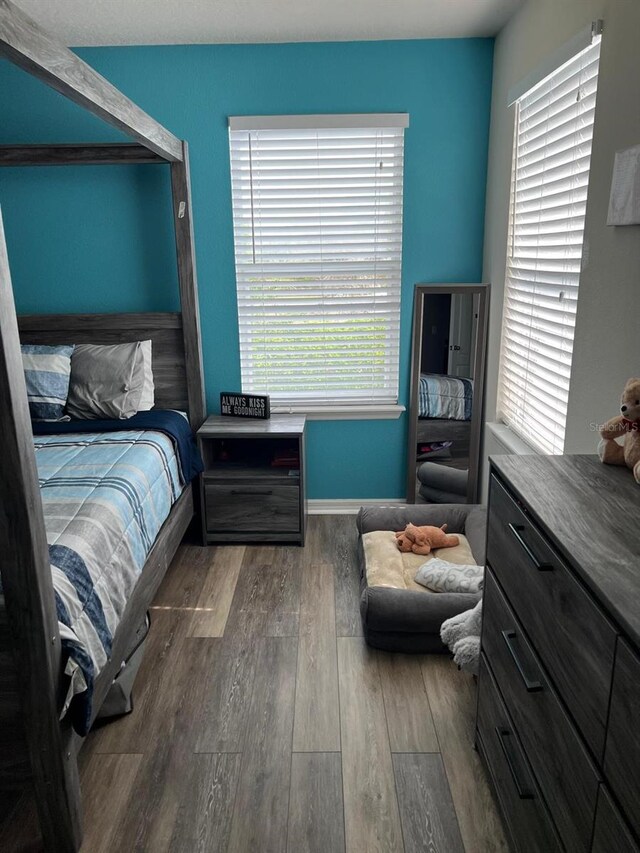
<point x="349" y="506"/>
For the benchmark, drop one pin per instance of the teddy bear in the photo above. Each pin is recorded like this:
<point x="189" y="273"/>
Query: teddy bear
<point x="420" y="540"/>
<point x="626" y="424"/>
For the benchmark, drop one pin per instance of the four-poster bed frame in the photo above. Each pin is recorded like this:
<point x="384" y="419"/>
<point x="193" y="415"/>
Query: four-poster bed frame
<point x="36" y="748"/>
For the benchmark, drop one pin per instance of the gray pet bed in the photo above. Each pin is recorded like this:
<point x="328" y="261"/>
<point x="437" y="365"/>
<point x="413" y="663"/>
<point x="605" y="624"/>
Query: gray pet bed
<point x="397" y="614"/>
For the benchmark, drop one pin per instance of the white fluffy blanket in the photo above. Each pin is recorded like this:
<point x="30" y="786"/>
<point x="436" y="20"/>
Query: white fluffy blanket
<point x="462" y="634"/>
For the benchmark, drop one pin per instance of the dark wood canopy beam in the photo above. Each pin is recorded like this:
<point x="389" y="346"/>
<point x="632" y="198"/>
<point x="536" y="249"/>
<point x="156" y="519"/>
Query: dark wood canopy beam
<point x="78" y="154"/>
<point x="25" y="44"/>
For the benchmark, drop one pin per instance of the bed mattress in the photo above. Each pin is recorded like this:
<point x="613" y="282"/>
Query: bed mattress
<point x="445" y="397"/>
<point x="105" y="497"/>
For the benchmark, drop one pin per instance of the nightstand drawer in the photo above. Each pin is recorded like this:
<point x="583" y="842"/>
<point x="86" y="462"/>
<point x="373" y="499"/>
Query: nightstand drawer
<point x="563" y="767"/>
<point x="622" y="754"/>
<point x="573" y="637"/>
<point x="530" y="825"/>
<point x="252" y="508"/>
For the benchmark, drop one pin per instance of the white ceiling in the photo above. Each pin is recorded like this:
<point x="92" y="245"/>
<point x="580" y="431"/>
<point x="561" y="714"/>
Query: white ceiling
<point x="111" y="22"/>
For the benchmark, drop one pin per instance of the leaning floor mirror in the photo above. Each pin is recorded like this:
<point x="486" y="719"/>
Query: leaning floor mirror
<point x="447" y="378"/>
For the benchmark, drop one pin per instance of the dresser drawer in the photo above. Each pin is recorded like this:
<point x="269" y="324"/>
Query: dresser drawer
<point x="252" y="508"/>
<point x="573" y="637"/>
<point x="611" y="834"/>
<point x="622" y="754"/>
<point x="530" y="826"/>
<point x="563" y="768"/>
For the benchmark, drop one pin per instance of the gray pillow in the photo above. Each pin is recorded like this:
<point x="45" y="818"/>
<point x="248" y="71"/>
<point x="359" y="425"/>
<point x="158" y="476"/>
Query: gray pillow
<point x="106" y="381"/>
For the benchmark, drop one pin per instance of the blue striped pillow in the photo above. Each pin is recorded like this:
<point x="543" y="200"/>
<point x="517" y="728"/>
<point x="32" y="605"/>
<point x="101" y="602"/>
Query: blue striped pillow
<point x="47" y="371"/>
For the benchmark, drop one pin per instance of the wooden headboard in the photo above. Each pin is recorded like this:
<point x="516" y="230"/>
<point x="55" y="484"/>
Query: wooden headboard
<point x="165" y="330"/>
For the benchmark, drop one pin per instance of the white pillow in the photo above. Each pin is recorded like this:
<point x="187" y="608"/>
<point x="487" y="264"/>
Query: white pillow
<point x="147" y="398"/>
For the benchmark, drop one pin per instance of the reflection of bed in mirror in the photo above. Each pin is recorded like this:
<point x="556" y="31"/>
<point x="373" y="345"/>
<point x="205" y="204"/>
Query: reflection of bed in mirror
<point x="448" y="353"/>
<point x="445" y="405"/>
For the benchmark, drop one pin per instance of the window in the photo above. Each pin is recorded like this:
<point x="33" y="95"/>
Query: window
<point x="550" y="176"/>
<point x="317" y="214"/>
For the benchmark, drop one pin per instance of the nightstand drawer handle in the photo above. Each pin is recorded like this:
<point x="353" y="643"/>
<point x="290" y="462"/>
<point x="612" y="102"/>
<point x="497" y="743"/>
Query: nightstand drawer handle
<point x="517" y="530"/>
<point x="251" y="491"/>
<point x="531" y="686"/>
<point x="524" y="792"/>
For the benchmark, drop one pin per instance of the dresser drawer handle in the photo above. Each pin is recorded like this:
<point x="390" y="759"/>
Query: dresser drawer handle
<point x="531" y="686"/>
<point x="252" y="491"/>
<point x="517" y="530"/>
<point x="505" y="736"/>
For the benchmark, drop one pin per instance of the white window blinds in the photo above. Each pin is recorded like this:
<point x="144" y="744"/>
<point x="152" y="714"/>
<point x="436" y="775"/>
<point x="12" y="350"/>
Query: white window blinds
<point x="550" y="176"/>
<point x="317" y="213"/>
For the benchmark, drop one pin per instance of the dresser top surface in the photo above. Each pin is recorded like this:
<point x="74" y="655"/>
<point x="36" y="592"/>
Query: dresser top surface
<point x="591" y="513"/>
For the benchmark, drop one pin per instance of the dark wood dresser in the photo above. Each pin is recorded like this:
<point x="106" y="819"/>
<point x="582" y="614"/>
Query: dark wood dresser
<point x="558" y="721"/>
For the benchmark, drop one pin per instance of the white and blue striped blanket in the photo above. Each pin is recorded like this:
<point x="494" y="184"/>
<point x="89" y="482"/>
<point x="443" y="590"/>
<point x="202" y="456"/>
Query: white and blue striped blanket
<point x="105" y="497"/>
<point x="445" y="397"/>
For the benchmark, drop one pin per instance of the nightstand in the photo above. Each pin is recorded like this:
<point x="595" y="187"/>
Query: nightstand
<point x="253" y="486"/>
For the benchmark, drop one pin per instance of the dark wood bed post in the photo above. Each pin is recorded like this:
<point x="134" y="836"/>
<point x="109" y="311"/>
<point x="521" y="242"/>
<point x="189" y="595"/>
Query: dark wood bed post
<point x="34" y="745"/>
<point x="185" y="251"/>
<point x="30" y="612"/>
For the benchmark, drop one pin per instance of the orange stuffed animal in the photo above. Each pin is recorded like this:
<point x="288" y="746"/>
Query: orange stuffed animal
<point x="626" y="424"/>
<point x="421" y="540"/>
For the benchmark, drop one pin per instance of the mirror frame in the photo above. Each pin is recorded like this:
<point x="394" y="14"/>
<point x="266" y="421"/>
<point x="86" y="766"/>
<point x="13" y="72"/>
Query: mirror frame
<point x="479" y="363"/>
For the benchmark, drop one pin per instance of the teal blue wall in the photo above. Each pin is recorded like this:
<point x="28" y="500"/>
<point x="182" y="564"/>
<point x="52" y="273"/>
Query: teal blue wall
<point x="100" y="239"/>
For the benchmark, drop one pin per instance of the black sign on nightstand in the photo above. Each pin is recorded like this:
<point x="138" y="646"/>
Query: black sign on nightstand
<point x="239" y="405"/>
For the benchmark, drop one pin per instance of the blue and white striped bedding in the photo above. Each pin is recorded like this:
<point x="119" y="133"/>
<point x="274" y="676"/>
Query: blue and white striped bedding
<point x="105" y="498"/>
<point x="445" y="397"/>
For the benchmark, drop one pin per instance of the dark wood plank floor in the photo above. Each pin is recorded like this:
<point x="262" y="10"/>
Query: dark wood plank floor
<point x="262" y="722"/>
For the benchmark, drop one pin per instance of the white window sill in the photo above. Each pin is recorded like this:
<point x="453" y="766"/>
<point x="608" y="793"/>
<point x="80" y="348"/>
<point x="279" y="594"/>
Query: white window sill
<point x="342" y="413"/>
<point x="512" y="442"/>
